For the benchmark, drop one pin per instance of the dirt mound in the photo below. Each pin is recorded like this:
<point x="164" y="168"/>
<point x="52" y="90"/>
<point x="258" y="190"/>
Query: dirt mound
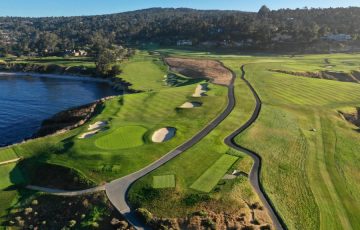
<point x="328" y="75"/>
<point x="195" y="68"/>
<point x="252" y="218"/>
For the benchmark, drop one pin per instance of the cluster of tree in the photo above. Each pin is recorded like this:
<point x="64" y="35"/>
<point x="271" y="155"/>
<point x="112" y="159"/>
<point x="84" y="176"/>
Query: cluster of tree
<point x="166" y="26"/>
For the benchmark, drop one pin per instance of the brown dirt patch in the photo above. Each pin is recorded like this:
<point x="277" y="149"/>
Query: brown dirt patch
<point x="195" y="68"/>
<point x="55" y="212"/>
<point x="328" y="75"/>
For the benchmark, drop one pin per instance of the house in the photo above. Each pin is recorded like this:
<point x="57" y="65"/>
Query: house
<point x="184" y="43"/>
<point x="337" y="37"/>
<point x="76" y="53"/>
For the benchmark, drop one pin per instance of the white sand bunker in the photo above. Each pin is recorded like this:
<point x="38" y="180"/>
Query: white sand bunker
<point x="89" y="134"/>
<point x="164" y="134"/>
<point x="189" y="105"/>
<point x="200" y="90"/>
<point x="97" y="125"/>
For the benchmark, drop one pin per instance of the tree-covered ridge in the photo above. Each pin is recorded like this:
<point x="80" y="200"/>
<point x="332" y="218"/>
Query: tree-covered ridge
<point x="167" y="25"/>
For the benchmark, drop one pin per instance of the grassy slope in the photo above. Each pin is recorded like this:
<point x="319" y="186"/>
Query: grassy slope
<point x="144" y="72"/>
<point x="9" y="175"/>
<point x="310" y="176"/>
<point x="191" y="164"/>
<point x="7" y="155"/>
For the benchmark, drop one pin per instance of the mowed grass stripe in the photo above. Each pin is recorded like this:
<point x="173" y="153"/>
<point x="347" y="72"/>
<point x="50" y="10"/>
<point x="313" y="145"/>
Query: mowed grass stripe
<point x="207" y="181"/>
<point x="166" y="181"/>
<point x="7" y="155"/>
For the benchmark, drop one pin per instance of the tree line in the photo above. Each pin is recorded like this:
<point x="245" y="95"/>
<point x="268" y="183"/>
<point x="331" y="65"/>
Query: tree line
<point x="165" y="26"/>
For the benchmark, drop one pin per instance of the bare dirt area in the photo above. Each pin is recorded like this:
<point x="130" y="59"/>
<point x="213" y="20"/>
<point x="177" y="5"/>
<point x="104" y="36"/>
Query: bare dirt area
<point x="328" y="75"/>
<point x="82" y="212"/>
<point x="195" y="68"/>
<point x="252" y="217"/>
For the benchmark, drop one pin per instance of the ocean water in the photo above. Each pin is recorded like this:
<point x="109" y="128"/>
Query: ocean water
<point x="25" y="101"/>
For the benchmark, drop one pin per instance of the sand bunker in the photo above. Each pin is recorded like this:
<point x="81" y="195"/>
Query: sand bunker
<point x="164" y="134"/>
<point x="89" y="134"/>
<point x="97" y="125"/>
<point x="189" y="105"/>
<point x="200" y="90"/>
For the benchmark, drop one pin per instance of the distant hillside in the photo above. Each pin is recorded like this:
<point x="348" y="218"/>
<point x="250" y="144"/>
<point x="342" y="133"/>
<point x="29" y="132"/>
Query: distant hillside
<point x="167" y="26"/>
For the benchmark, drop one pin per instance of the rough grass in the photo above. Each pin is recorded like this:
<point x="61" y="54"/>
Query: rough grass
<point x="7" y="155"/>
<point x="122" y="138"/>
<point x="309" y="176"/>
<point x="207" y="181"/>
<point x="166" y="181"/>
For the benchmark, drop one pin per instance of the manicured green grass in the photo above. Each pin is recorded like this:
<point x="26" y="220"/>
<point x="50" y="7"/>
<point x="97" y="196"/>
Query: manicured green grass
<point x="9" y="175"/>
<point x="144" y="72"/>
<point x="207" y="181"/>
<point x="191" y="164"/>
<point x="122" y="138"/>
<point x="7" y="155"/>
<point x="166" y="181"/>
<point x="99" y="157"/>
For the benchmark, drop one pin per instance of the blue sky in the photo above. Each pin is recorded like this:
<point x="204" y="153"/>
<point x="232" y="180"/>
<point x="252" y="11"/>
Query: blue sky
<point x="37" y="8"/>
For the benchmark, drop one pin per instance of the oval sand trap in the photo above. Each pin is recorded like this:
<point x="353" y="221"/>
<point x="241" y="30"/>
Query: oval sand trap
<point x="122" y="138"/>
<point x="189" y="105"/>
<point x="88" y="134"/>
<point x="97" y="125"/>
<point x="200" y="90"/>
<point x="164" y="134"/>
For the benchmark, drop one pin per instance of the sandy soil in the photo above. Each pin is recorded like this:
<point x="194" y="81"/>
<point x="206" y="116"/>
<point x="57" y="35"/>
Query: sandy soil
<point x="89" y="134"/>
<point x="196" y="68"/>
<point x="189" y="105"/>
<point x="97" y="125"/>
<point x="200" y="90"/>
<point x="163" y="134"/>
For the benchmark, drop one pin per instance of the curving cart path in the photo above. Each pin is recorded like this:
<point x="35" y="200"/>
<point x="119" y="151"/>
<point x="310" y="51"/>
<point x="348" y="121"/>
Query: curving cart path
<point x="117" y="190"/>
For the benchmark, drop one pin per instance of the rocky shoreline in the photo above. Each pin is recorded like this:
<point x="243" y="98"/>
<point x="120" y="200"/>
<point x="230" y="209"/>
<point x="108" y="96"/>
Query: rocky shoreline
<point x="70" y="118"/>
<point x="36" y="70"/>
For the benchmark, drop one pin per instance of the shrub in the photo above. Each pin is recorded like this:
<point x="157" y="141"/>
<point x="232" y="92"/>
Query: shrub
<point x="145" y="215"/>
<point x="193" y="199"/>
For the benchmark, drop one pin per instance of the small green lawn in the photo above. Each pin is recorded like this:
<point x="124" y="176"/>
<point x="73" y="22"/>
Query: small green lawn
<point x="166" y="181"/>
<point x="122" y="138"/>
<point x="144" y="72"/>
<point x="208" y="180"/>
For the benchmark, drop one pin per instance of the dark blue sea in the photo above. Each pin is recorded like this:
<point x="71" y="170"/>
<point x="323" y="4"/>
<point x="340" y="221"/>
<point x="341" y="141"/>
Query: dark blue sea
<point x="25" y="101"/>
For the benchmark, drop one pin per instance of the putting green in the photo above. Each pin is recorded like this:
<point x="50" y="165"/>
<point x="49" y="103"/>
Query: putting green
<point x="122" y="138"/>
<point x="166" y="181"/>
